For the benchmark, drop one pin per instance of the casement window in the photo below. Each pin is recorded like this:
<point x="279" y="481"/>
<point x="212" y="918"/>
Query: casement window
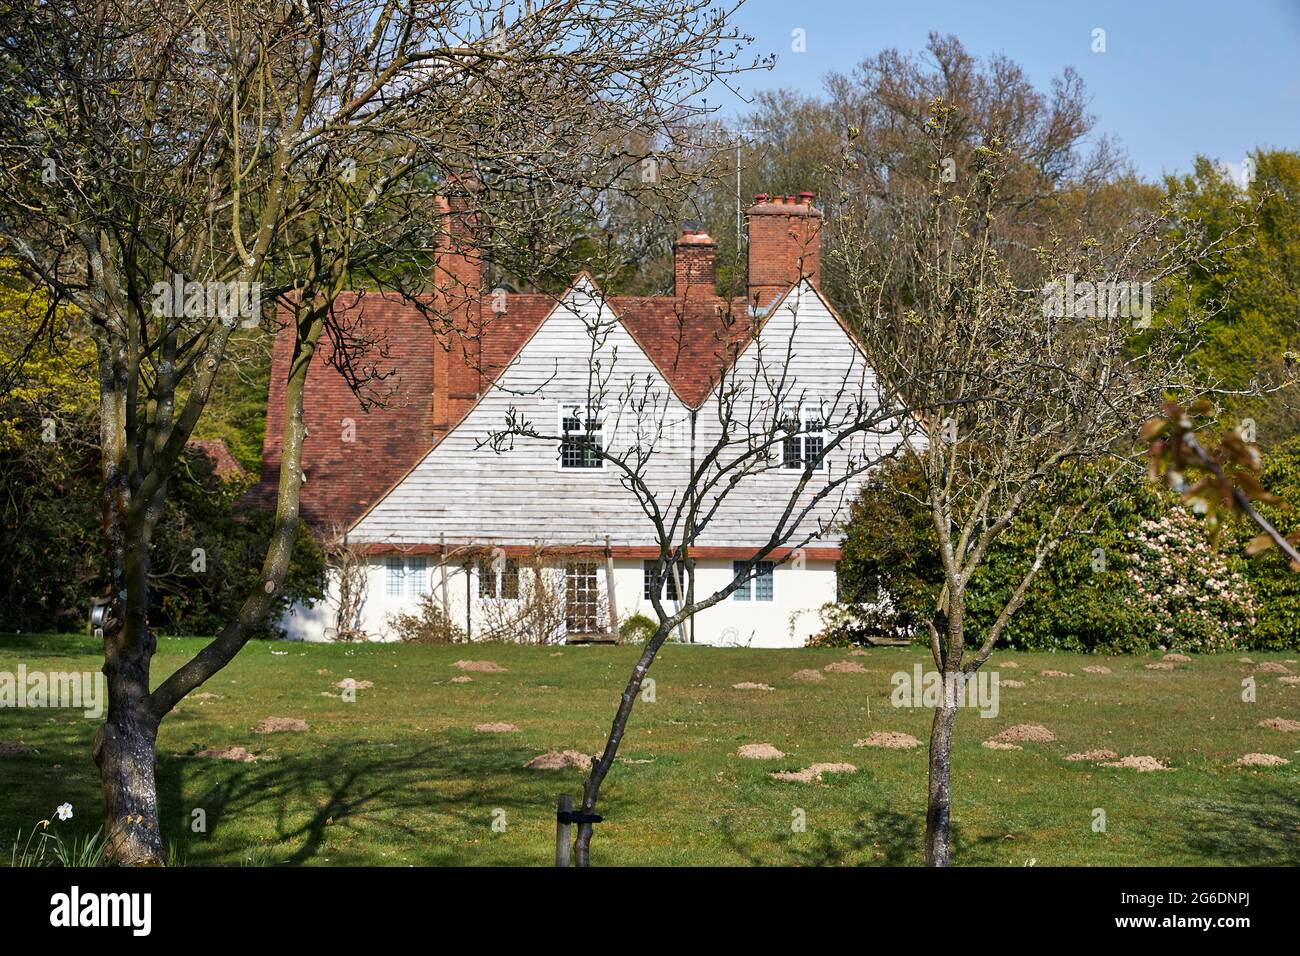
<point x="583" y="437"/>
<point x="498" y="579"/>
<point x="759" y="585"/>
<point x="407" y="576"/>
<point x="805" y="439"/>
<point x="669" y="586"/>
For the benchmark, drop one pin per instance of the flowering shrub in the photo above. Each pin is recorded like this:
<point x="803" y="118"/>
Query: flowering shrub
<point x="1188" y="595"/>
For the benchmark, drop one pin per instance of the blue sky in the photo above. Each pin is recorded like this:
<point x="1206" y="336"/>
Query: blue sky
<point x="1178" y="78"/>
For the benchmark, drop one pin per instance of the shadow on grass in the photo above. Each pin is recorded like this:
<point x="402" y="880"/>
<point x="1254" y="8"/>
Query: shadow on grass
<point x="886" y="838"/>
<point x="1261" y="827"/>
<point x="384" y="800"/>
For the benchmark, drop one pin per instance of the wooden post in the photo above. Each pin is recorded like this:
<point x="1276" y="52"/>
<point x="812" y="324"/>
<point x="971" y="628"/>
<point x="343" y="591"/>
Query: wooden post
<point x="675" y="570"/>
<point x="469" y="601"/>
<point x="562" y="841"/>
<point x="540" y="602"/>
<point x="442" y="565"/>
<point x="609" y="588"/>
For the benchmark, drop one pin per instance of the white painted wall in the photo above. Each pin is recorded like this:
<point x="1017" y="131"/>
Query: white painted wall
<point x="788" y="620"/>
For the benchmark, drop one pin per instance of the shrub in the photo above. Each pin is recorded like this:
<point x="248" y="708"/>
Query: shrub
<point x="429" y="625"/>
<point x="637" y="629"/>
<point x="1276" y="587"/>
<point x="852" y="625"/>
<point x="1106" y="591"/>
<point x="207" y="555"/>
<point x="888" y="557"/>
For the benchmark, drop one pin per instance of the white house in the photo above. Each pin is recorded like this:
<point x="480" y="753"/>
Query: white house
<point x="494" y="478"/>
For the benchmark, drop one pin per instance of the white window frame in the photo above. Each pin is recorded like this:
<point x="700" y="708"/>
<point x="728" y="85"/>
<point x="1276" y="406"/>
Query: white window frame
<point x="417" y="576"/>
<point x="406" y="576"/>
<point x="667" y="586"/>
<point x="805" y="413"/>
<point x="562" y="412"/>
<point x="394" y="576"/>
<point x="749" y="589"/>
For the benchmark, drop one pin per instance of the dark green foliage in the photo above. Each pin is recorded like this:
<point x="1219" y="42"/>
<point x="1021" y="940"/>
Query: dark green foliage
<point x="52" y="548"/>
<point x="1082" y="600"/>
<point x="203" y="513"/>
<point x="50" y="542"/>
<point x="889" y="549"/>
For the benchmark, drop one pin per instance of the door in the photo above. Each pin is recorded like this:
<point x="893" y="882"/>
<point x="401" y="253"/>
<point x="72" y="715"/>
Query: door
<point x="581" y="598"/>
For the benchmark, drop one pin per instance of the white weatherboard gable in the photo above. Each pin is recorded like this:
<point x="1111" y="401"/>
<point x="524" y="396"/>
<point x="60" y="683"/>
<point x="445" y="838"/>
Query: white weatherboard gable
<point x="473" y="495"/>
<point x="801" y="354"/>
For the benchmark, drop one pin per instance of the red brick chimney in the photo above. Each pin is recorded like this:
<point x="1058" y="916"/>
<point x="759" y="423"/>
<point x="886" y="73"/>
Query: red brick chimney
<point x="459" y="280"/>
<point x="784" y="245"/>
<point x="460" y="252"/>
<point x="695" y="257"/>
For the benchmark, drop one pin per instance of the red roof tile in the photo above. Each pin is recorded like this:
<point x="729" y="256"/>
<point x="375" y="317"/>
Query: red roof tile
<point x="687" y="338"/>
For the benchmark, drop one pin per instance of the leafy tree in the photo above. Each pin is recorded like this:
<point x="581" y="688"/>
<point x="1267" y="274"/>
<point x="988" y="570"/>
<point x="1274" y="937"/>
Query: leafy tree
<point x="205" y="554"/>
<point x="1248" y="344"/>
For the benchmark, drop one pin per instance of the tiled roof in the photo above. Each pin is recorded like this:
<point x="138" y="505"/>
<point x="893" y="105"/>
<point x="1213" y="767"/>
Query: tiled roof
<point x="687" y="338"/>
<point x="418" y="384"/>
<point x="422" y="382"/>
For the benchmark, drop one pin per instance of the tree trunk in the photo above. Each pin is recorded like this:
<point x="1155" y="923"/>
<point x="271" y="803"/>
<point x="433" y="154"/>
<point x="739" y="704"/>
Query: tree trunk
<point x="601" y="766"/>
<point x="938" y="804"/>
<point x="125" y="753"/>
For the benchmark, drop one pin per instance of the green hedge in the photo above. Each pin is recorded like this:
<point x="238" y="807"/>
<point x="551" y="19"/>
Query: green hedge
<point x="1276" y="586"/>
<point x="1085" y="599"/>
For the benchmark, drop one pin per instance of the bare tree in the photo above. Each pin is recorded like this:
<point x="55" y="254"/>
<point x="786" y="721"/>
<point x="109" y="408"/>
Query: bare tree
<point x="1039" y="390"/>
<point x="770" y="431"/>
<point x="525" y="600"/>
<point x="173" y="169"/>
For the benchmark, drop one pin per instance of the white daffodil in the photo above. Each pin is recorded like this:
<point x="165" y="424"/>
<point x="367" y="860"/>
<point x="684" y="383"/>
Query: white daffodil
<point x="64" y="811"/>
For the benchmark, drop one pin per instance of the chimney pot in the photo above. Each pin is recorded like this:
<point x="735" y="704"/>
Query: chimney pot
<point x="760" y="197"/>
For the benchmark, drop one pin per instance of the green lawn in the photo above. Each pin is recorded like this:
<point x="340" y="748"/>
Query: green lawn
<point x="401" y="777"/>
